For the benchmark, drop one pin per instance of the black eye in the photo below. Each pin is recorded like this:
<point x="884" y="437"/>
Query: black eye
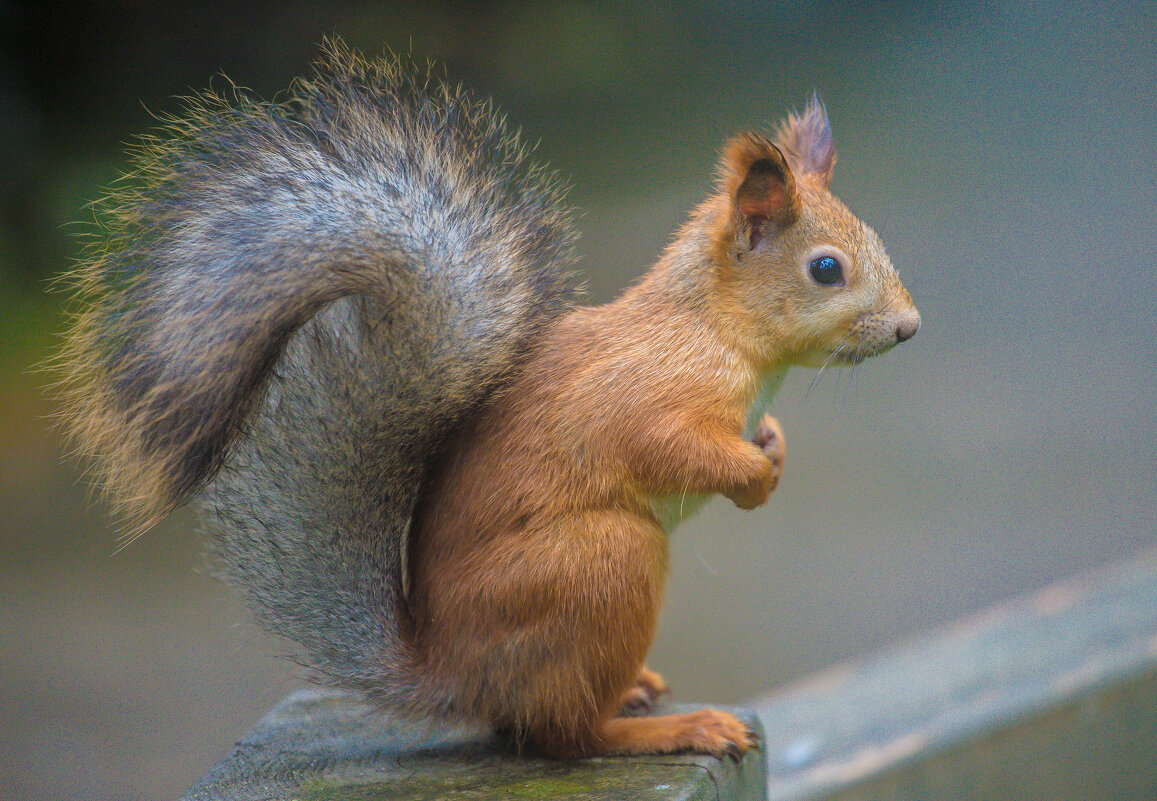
<point x="826" y="270"/>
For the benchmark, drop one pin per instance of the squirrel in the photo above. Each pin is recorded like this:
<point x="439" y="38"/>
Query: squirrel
<point x="345" y="323"/>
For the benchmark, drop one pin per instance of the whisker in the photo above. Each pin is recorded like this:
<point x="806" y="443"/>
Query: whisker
<point x="819" y="373"/>
<point x="850" y="387"/>
<point x="839" y="378"/>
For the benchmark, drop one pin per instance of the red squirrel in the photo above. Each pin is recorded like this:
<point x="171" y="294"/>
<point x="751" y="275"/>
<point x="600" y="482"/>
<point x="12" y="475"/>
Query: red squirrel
<point x="344" y="323"/>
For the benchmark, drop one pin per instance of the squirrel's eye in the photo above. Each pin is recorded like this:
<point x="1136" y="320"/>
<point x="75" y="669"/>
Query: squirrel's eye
<point x="826" y="270"/>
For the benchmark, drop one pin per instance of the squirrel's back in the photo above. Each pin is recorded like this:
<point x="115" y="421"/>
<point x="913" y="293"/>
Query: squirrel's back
<point x="292" y="312"/>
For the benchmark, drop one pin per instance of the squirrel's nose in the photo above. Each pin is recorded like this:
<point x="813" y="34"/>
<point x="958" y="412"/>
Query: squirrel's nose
<point x="908" y="326"/>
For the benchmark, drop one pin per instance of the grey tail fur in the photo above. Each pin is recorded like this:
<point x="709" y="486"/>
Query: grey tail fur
<point x="291" y="314"/>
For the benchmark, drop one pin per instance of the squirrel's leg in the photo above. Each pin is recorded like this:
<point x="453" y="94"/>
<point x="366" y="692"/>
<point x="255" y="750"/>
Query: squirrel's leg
<point x="542" y="630"/>
<point x="608" y="585"/>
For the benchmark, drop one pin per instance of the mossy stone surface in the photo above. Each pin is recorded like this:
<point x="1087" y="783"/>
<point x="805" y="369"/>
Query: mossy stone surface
<point x="320" y="745"/>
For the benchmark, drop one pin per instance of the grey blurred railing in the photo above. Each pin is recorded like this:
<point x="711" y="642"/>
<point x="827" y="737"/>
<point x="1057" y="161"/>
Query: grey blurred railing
<point x="1051" y="696"/>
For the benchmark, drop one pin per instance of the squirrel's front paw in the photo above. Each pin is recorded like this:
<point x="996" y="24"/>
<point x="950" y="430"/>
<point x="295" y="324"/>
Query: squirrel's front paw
<point x="755" y="491"/>
<point x="765" y="476"/>
<point x="769" y="438"/>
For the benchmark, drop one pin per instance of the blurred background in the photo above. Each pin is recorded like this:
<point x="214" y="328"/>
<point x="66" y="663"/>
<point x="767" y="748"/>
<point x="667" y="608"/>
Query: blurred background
<point x="1004" y="152"/>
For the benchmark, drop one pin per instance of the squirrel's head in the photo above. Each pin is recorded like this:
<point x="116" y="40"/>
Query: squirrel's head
<point x="812" y="281"/>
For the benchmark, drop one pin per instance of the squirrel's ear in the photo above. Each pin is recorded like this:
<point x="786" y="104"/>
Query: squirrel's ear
<point x="759" y="183"/>
<point x="806" y="140"/>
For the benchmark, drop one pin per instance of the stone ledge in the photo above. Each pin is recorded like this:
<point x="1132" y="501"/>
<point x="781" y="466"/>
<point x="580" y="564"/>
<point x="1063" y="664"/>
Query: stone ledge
<point x="322" y="744"/>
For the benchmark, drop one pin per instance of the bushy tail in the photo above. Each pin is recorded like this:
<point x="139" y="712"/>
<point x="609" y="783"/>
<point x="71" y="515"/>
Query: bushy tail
<point x="294" y="310"/>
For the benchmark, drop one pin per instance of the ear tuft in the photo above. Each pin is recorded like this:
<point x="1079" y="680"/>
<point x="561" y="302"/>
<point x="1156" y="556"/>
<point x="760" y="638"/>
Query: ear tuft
<point x="806" y="140"/>
<point x="756" y="177"/>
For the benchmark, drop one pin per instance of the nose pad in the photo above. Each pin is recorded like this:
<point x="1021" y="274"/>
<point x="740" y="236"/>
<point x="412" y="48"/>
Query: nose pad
<point x="908" y="326"/>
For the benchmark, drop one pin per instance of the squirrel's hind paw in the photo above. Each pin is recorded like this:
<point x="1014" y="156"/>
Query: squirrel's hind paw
<point x="647" y="688"/>
<point x="707" y="731"/>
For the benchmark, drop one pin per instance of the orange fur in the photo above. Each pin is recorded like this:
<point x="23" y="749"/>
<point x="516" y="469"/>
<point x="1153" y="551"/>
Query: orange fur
<point x="537" y="560"/>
